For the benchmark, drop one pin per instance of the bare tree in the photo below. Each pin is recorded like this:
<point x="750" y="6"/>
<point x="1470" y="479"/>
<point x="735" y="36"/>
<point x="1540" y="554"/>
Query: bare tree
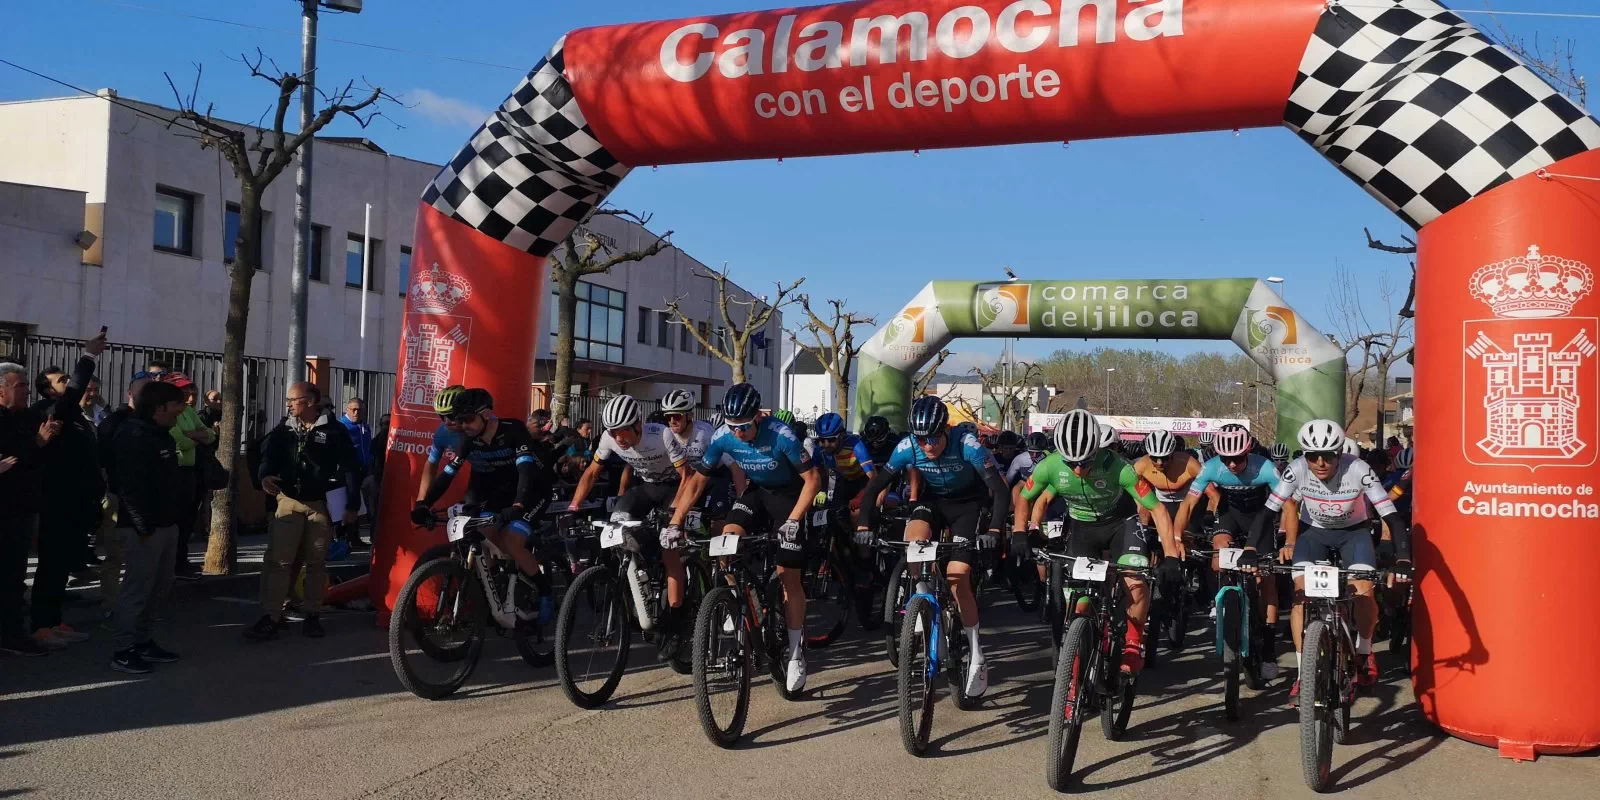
<point x="1379" y="341"/>
<point x="1007" y="383"/>
<point x="833" y="344"/>
<point x="1554" y="60"/>
<point x="258" y="156"/>
<point x="731" y="342"/>
<point x="585" y="253"/>
<point x="1407" y="309"/>
<point x="926" y="378"/>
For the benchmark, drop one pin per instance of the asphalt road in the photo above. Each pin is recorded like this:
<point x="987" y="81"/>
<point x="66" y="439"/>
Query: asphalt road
<point x="301" y="718"/>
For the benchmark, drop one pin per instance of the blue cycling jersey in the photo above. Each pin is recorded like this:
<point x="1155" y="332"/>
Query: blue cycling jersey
<point x="1246" y="491"/>
<point x="774" y="460"/>
<point x="848" y="459"/>
<point x="957" y="472"/>
<point x="444" y="440"/>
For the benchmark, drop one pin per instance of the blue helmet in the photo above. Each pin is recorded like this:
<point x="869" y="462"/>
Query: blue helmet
<point x="829" y="425"/>
<point x="928" y="416"/>
<point x="741" y="401"/>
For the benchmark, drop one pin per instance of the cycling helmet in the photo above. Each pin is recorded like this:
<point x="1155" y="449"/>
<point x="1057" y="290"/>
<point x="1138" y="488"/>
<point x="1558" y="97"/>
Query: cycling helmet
<point x="741" y="401"/>
<point x="784" y="416"/>
<point x="1323" y="435"/>
<point x="472" y="401"/>
<point x="1160" y="444"/>
<point x="1108" y="437"/>
<point x="800" y="429"/>
<point x="928" y="416"/>
<point x="1233" y="440"/>
<point x="677" y="401"/>
<point x="1078" y="436"/>
<point x="444" y="403"/>
<point x="876" y="429"/>
<point x="1206" y="439"/>
<point x="1280" y="452"/>
<point x="1008" y="439"/>
<point x="621" y="411"/>
<point x="1352" y="447"/>
<point x="830" y="425"/>
<point x="716" y="420"/>
<point x="1402" y="462"/>
<point x="1038" y="442"/>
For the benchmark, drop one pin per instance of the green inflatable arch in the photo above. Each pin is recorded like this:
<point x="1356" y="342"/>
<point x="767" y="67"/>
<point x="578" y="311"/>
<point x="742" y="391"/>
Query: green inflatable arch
<point x="1308" y="369"/>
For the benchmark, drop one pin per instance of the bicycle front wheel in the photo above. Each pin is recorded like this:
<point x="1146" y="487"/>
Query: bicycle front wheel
<point x="592" y="637"/>
<point x="1229" y="611"/>
<point x="722" y="665"/>
<point x="830" y="592"/>
<point x="437" y="629"/>
<point x="1070" y="702"/>
<point x="1319" y="696"/>
<point x="895" y="597"/>
<point x="916" y="676"/>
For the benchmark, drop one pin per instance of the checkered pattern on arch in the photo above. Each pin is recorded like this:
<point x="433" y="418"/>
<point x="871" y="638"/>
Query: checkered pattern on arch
<point x="1423" y="110"/>
<point x="533" y="170"/>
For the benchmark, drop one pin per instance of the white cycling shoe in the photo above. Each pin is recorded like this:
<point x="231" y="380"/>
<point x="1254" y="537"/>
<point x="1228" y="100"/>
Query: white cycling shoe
<point x="797" y="671"/>
<point x="977" y="679"/>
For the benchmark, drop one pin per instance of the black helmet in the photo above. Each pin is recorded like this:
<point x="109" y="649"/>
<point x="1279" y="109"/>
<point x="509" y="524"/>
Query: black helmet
<point x="1039" y="442"/>
<point x="928" y="416"/>
<point x="473" y="401"/>
<point x="1008" y="439"/>
<point x="876" y="429"/>
<point x="741" y="401"/>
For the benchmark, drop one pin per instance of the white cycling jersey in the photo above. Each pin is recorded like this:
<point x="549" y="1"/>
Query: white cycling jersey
<point x="1342" y="501"/>
<point x="1019" y="469"/>
<point x="699" y="438"/>
<point x="654" y="459"/>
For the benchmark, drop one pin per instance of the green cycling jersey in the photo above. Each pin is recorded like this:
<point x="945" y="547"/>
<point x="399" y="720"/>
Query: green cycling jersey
<point x="1093" y="497"/>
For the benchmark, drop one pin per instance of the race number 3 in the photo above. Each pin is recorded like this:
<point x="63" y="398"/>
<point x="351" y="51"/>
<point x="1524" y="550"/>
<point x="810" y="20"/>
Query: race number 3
<point x="610" y="536"/>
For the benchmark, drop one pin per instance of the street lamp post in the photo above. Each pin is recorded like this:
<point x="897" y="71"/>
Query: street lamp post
<point x="1109" y="370"/>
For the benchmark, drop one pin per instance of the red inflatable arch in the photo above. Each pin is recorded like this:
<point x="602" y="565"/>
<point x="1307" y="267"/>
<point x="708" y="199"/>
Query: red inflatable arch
<point x="1449" y="131"/>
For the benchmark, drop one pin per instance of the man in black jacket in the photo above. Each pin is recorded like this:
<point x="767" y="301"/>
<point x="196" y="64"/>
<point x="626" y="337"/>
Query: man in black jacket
<point x="146" y="460"/>
<point x="110" y="539"/>
<point x="308" y="454"/>
<point x="23" y="435"/>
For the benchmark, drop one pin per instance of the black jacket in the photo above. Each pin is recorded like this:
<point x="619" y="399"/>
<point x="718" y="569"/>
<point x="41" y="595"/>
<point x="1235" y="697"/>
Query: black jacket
<point x="21" y="485"/>
<point x="307" y="469"/>
<point x="71" y="461"/>
<point x="107" y="435"/>
<point x="146" y="459"/>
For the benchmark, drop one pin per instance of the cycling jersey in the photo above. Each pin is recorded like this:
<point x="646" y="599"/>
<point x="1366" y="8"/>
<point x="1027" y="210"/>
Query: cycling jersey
<point x="1337" y="502"/>
<point x="655" y="458"/>
<point x="1399" y="485"/>
<point x="1244" y="492"/>
<point x="1179" y="471"/>
<point x="957" y="472"/>
<point x="881" y="451"/>
<point x="1019" y="469"/>
<point x="849" y="459"/>
<point x="774" y="460"/>
<point x="1095" y="496"/>
<point x="444" y="441"/>
<point x="504" y="471"/>
<point x="694" y="445"/>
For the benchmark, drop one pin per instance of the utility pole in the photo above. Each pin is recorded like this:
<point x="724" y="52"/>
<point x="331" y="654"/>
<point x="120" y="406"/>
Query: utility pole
<point x="302" y="195"/>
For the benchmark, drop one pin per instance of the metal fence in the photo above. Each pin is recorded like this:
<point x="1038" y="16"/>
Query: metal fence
<point x="376" y="389"/>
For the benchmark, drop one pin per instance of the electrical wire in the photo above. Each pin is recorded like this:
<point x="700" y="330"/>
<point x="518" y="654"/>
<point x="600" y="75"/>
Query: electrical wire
<point x="173" y="121"/>
<point x="1483" y="11"/>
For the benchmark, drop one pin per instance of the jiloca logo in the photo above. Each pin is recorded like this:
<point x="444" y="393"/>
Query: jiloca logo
<point x="906" y="327"/>
<point x="1003" y="307"/>
<point x="1263" y="322"/>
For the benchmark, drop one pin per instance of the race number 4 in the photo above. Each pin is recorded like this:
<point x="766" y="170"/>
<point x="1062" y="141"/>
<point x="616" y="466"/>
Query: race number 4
<point x="1089" y="569"/>
<point x="1322" y="581"/>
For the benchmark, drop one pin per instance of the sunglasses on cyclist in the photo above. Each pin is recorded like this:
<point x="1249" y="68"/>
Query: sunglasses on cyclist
<point x="827" y="441"/>
<point x="1084" y="464"/>
<point x="1238" y="459"/>
<point x="740" y="426"/>
<point x="929" y="439"/>
<point x="671" y="417"/>
<point x="1322" y="455"/>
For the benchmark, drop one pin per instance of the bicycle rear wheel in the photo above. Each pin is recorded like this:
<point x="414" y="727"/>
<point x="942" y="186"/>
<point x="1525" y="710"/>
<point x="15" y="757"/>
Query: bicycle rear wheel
<point x="1070" y="702"/>
<point x="1177" y="622"/>
<point x="916" y="675"/>
<point x="1229" y="611"/>
<point x="895" y="596"/>
<point x="722" y="665"/>
<point x="1318" y="697"/>
<point x="593" y="637"/>
<point x="830" y="593"/>
<point x="442" y="603"/>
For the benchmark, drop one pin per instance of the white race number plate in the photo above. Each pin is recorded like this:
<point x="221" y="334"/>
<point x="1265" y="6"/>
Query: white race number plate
<point x="1052" y="530"/>
<point x="819" y="518"/>
<point x="456" y="528"/>
<point x="1322" y="581"/>
<point x="611" y="536"/>
<point x="693" y="520"/>
<point x="1089" y="569"/>
<point x="725" y="545"/>
<point x="1228" y="557"/>
<point x="919" y="552"/>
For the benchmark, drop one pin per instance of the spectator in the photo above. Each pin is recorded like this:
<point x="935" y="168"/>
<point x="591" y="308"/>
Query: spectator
<point x="22" y="435"/>
<point x="191" y="434"/>
<point x="211" y="414"/>
<point x="110" y="537"/>
<point x="355" y="423"/>
<point x="70" y="497"/>
<point x="149" y="483"/>
<point x="94" y="408"/>
<point x="372" y="489"/>
<point x="302" y="458"/>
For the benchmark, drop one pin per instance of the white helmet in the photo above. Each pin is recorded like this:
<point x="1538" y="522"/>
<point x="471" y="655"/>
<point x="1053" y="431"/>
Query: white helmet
<point x="1352" y="447"/>
<point x="677" y="401"/>
<point x="1232" y="441"/>
<point x="1403" y="461"/>
<point x="1078" y="436"/>
<point x="1108" y="436"/>
<point x="1159" y="444"/>
<point x="621" y="411"/>
<point x="1321" y="435"/>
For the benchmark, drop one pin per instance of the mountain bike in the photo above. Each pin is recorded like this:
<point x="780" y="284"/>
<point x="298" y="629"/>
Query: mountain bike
<point x="1089" y="677"/>
<point x="1241" y="631"/>
<point x="617" y="592"/>
<point x="740" y="629"/>
<point x="1328" y="665"/>
<point x="932" y="642"/>
<point x="443" y="611"/>
<point x="876" y="568"/>
<point x="829" y="580"/>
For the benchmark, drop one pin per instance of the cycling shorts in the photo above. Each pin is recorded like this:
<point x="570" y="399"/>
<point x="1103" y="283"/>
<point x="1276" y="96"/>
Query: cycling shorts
<point x="844" y="494"/>
<point x="1239" y="525"/>
<point x="761" y="510"/>
<point x="1353" y="546"/>
<point x="1120" y="538"/>
<point x="643" y="498"/>
<point x="958" y="516"/>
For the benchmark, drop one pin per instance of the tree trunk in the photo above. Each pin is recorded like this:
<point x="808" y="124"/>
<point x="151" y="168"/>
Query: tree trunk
<point x="737" y="363"/>
<point x="220" y="558"/>
<point x="566" y="320"/>
<point x="841" y="396"/>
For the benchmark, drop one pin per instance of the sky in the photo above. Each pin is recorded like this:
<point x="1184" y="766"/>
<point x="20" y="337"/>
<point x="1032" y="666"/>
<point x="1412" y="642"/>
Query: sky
<point x="871" y="228"/>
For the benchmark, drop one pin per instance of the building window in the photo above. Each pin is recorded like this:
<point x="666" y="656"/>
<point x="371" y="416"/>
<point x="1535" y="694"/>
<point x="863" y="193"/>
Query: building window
<point x="644" y="325"/>
<point x="664" y="329"/>
<point x="685" y="338"/>
<point x="230" y="232"/>
<point x="319" y="235"/>
<point x="353" y="246"/>
<point x="599" y="325"/>
<point x="705" y="331"/>
<point x="405" y="269"/>
<point x="766" y="355"/>
<point x="174" y="232"/>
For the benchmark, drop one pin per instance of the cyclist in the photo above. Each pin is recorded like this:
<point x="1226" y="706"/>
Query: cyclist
<point x="446" y="439"/>
<point x="782" y="483"/>
<point x="1094" y="482"/>
<point x="1110" y="439"/>
<point x="880" y="439"/>
<point x="956" y="470"/>
<point x="506" y="477"/>
<point x="1202" y="448"/>
<point x="660" y="463"/>
<point x="1280" y="456"/>
<point x="1170" y="471"/>
<point x="1398" y="482"/>
<point x="845" y="460"/>
<point x="1325" y="490"/>
<point x="677" y="412"/>
<point x="1244" y="479"/>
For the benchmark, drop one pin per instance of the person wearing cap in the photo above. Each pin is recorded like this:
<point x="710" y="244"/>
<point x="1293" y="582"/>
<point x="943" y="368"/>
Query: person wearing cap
<point x="190" y="433"/>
